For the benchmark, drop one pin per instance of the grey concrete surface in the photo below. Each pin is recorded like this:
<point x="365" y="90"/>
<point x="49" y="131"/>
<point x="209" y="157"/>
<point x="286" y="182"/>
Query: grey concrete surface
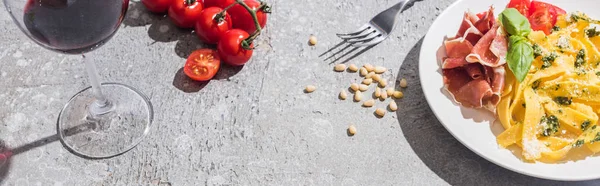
<point x="251" y="125"/>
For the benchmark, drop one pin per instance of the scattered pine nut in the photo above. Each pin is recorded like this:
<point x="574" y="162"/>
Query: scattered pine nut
<point x="363" y="71"/>
<point x="343" y="95"/>
<point x="367" y="81"/>
<point x="352" y="68"/>
<point x="398" y="95"/>
<point x="403" y="83"/>
<point x="377" y="92"/>
<point x="354" y="87"/>
<point x="310" y="88"/>
<point x="351" y="130"/>
<point x="363" y="87"/>
<point x="357" y="96"/>
<point x="380" y="112"/>
<point x="393" y="106"/>
<point x="369" y="67"/>
<point x="380" y="69"/>
<point x="390" y="91"/>
<point x="369" y="103"/>
<point x="376" y="77"/>
<point x="339" y="67"/>
<point x="312" y="40"/>
<point x="382" y="83"/>
<point x="383" y="96"/>
<point x="368" y="76"/>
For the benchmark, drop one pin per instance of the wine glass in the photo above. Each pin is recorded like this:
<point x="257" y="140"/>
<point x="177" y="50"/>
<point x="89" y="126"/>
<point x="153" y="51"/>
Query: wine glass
<point x="106" y="119"/>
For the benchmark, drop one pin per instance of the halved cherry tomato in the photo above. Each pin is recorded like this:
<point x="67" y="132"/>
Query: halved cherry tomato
<point x="202" y="65"/>
<point x="218" y="3"/>
<point x="541" y="20"/>
<point x="522" y="6"/>
<point x="184" y="13"/>
<point x="157" y="6"/>
<point x="243" y="20"/>
<point x="230" y="47"/>
<point x="553" y="11"/>
<point x="208" y="27"/>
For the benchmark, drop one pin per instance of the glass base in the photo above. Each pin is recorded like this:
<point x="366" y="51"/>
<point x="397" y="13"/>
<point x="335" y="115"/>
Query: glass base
<point x="109" y="134"/>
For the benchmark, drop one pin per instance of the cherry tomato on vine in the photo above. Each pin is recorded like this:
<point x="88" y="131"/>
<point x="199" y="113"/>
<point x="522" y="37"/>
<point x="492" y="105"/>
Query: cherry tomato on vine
<point x="218" y="3"/>
<point x="157" y="6"/>
<point x="211" y="25"/>
<point x="184" y="13"/>
<point x="243" y="20"/>
<point x="202" y="65"/>
<point x="230" y="47"/>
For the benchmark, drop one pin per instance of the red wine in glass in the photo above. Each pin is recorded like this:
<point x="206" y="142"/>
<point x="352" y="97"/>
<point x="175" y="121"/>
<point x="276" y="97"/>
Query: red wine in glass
<point x="110" y="118"/>
<point x="73" y="26"/>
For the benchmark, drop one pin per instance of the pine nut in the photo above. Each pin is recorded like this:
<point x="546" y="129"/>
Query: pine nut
<point x="363" y="71"/>
<point x="376" y="77"/>
<point x="380" y="69"/>
<point x="369" y="103"/>
<point x="369" y="67"/>
<point x="398" y="95"/>
<point x="377" y="92"/>
<point x="351" y="130"/>
<point x="357" y="96"/>
<point x="312" y="40"/>
<point x="403" y="83"/>
<point x="310" y="88"/>
<point x="383" y="96"/>
<point x="368" y="76"/>
<point x="343" y="95"/>
<point x="363" y="87"/>
<point x="367" y="81"/>
<point x="390" y="91"/>
<point x="393" y="106"/>
<point x="354" y="87"/>
<point x="339" y="67"/>
<point x="352" y="68"/>
<point x="380" y="112"/>
<point x="382" y="83"/>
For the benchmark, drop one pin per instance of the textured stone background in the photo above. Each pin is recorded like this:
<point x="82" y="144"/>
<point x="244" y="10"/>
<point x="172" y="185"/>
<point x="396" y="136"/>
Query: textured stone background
<point x="251" y="125"/>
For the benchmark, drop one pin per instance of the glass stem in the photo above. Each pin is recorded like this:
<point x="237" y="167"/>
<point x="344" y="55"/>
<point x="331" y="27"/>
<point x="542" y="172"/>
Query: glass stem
<point x="101" y="105"/>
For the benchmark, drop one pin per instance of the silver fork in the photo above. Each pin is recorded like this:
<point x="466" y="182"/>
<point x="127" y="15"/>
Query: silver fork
<point x="376" y="30"/>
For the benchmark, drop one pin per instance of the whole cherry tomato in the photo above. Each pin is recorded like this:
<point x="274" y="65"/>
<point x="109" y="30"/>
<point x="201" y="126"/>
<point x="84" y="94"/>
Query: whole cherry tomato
<point x="202" y="65"/>
<point x="218" y="3"/>
<point x="210" y="26"/>
<point x="230" y="47"/>
<point x="243" y="20"/>
<point x="184" y="13"/>
<point x="157" y="6"/>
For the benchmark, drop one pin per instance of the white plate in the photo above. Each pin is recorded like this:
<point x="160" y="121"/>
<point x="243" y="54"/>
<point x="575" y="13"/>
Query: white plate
<point x="476" y="128"/>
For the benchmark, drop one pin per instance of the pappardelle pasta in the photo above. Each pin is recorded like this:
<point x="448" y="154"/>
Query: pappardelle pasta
<point x="555" y="108"/>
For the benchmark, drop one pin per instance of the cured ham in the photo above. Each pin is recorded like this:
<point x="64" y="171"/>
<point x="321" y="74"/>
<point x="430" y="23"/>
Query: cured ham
<point x="474" y="67"/>
<point x="490" y="49"/>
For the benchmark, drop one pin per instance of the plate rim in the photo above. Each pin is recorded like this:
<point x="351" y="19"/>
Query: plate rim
<point x="472" y="149"/>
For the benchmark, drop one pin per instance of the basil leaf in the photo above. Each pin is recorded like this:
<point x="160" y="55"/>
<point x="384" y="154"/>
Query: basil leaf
<point x="514" y="23"/>
<point x="519" y="56"/>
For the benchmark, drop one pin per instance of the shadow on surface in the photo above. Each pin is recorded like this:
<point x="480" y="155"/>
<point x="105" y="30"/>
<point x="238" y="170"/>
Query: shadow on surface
<point x="162" y="29"/>
<point x="7" y="153"/>
<point x="439" y="150"/>
<point x="334" y="55"/>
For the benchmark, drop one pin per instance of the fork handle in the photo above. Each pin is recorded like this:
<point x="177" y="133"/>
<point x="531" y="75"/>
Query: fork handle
<point x="399" y="6"/>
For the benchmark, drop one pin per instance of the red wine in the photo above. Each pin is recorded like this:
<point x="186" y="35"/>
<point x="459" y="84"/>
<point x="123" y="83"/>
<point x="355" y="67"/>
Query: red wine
<point x="73" y="26"/>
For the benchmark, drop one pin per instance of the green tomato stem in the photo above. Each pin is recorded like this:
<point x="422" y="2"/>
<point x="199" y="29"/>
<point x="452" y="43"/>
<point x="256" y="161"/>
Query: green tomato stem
<point x="250" y="39"/>
<point x="221" y="15"/>
<point x="189" y="2"/>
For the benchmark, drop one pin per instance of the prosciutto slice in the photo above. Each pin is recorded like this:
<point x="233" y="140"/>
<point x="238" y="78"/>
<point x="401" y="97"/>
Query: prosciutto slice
<point x="474" y="67"/>
<point x="491" y="49"/>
